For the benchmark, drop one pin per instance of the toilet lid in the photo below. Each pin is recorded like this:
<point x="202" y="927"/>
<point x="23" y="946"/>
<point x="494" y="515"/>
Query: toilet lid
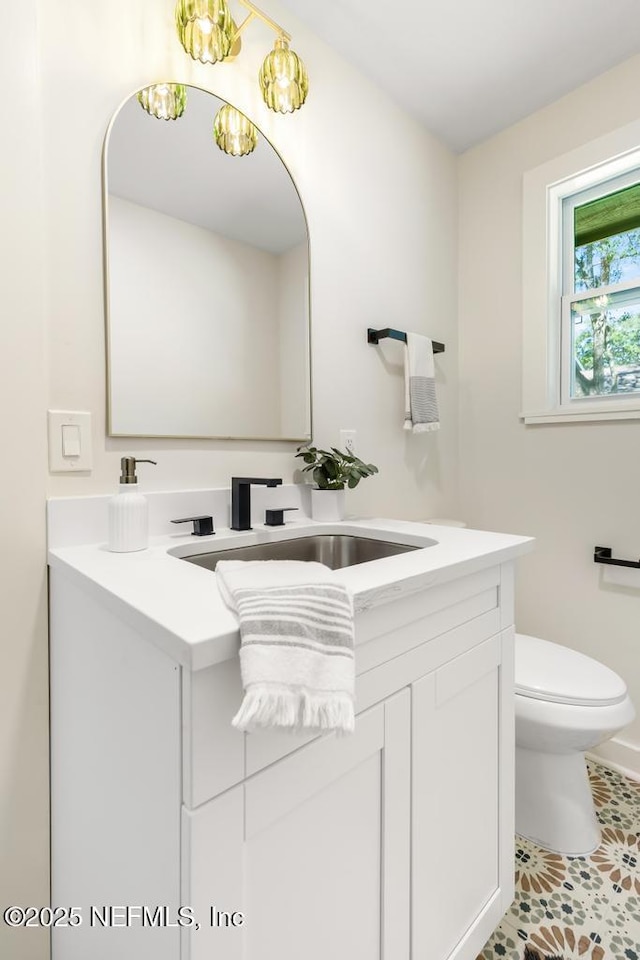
<point x="548" y="671"/>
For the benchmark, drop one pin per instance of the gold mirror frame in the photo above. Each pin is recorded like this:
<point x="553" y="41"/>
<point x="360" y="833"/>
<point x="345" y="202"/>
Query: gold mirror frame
<point x="106" y="289"/>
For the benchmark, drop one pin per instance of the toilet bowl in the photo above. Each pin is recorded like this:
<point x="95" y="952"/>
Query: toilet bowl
<point x="565" y="704"/>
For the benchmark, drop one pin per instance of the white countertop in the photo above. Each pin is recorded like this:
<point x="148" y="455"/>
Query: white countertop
<point x="177" y="606"/>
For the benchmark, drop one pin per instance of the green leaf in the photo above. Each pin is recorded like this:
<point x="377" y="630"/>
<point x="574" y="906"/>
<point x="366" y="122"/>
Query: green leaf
<point x="320" y="478"/>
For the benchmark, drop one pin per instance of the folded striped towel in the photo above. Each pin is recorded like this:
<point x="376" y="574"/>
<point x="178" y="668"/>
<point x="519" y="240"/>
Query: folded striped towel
<point x="420" y="403"/>
<point x="296" y="654"/>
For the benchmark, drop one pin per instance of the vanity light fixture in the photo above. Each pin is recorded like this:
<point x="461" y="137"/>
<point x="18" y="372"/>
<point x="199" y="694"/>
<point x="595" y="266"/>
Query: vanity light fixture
<point x="283" y="79"/>
<point x="208" y="34"/>
<point x="205" y="29"/>
<point x="233" y="132"/>
<point x="166" y="101"/>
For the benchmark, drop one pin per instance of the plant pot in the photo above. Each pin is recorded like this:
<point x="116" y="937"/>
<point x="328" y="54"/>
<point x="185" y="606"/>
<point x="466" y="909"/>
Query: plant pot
<point x="328" y="505"/>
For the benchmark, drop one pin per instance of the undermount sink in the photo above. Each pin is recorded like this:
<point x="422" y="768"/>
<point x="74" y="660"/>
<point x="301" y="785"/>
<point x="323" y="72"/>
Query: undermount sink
<point x="334" y="550"/>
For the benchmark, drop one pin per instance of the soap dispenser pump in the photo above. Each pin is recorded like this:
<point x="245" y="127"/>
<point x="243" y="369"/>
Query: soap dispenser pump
<point x="128" y="512"/>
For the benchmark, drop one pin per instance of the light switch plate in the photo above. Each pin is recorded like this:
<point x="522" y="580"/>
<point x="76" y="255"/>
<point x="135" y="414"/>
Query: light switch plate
<point x="58" y="462"/>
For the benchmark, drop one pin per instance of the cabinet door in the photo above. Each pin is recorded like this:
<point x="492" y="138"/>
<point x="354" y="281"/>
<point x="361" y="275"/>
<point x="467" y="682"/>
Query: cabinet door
<point x="314" y="851"/>
<point x="462" y="812"/>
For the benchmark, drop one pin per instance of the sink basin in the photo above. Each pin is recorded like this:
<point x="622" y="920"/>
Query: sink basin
<point x="335" y="551"/>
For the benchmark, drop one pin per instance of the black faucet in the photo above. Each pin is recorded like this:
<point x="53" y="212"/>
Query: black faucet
<point x="241" y="499"/>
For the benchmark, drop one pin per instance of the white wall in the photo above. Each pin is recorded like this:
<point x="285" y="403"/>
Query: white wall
<point x="194" y="346"/>
<point x="379" y="194"/>
<point x="380" y="197"/>
<point x="570" y="485"/>
<point x="24" y="788"/>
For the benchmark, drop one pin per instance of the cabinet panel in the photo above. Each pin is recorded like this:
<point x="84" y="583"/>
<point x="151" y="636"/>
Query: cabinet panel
<point x="411" y="635"/>
<point x="115" y="785"/>
<point x="213" y="754"/>
<point x="283" y="786"/>
<point x="212" y="840"/>
<point x="303" y="851"/>
<point x="313" y="876"/>
<point x="456" y="808"/>
<point x="376" y="684"/>
<point x="395" y="613"/>
<point x="396" y="835"/>
<point x="507" y="770"/>
<point x="264" y="747"/>
<point x="453" y="678"/>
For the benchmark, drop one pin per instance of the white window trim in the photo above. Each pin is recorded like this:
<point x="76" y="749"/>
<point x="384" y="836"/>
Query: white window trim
<point x="545" y="188"/>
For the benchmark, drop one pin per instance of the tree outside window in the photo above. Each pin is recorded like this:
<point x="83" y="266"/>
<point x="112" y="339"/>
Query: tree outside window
<point x="605" y="325"/>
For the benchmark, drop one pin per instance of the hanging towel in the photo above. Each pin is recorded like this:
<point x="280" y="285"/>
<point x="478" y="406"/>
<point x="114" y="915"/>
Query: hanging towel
<point x="296" y="653"/>
<point x="420" y="403"/>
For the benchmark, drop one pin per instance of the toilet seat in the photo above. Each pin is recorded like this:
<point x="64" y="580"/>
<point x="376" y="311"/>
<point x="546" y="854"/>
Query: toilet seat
<point x="548" y="671"/>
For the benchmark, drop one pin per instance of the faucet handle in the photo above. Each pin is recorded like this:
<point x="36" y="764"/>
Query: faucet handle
<point x="202" y="526"/>
<point x="275" y="518"/>
<point x="261" y="481"/>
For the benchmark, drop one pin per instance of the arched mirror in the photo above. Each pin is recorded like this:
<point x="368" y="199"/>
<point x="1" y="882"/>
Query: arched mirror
<point x="207" y="282"/>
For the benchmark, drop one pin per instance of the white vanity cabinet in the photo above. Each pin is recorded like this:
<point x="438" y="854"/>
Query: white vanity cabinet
<point x="394" y="843"/>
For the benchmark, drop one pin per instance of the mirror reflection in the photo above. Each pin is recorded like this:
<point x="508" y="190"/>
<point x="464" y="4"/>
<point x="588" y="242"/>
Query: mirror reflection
<point x="207" y="263"/>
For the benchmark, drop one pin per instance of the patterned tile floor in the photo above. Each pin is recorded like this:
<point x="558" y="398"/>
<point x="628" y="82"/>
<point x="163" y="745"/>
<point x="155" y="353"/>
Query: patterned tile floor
<point x="581" y="908"/>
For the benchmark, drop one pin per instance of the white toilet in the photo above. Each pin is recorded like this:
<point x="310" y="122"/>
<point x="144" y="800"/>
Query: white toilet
<point x="566" y="703"/>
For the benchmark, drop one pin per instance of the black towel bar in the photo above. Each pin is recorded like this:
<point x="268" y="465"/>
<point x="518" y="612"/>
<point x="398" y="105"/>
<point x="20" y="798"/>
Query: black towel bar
<point x="603" y="555"/>
<point x="374" y="336"/>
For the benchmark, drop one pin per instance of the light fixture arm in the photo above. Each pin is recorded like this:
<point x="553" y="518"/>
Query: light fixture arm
<point x="253" y="13"/>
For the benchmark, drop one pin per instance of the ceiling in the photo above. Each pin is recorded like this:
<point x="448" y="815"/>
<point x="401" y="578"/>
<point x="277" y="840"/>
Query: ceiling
<point x="468" y="69"/>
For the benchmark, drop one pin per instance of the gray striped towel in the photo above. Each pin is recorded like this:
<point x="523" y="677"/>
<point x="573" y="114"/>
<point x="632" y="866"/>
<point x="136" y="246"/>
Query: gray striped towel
<point x="421" y="405"/>
<point x="296" y="654"/>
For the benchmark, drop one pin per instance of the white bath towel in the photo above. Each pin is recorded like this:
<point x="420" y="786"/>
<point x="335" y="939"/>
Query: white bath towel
<point x="296" y="653"/>
<point x="420" y="403"/>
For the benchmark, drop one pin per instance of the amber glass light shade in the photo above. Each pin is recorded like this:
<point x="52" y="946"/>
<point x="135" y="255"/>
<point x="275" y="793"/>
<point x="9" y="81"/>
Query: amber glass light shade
<point x="283" y="79"/>
<point x="233" y="132"/>
<point x="166" y="101"/>
<point x="205" y="29"/>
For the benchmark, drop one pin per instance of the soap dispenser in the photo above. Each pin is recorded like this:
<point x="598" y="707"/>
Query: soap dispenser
<point x="128" y="512"/>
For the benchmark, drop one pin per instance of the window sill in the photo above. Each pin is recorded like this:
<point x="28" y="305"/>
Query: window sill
<point x="582" y="416"/>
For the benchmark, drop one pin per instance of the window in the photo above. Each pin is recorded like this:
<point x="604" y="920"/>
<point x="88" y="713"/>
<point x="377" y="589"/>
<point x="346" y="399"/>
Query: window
<point x="581" y="283"/>
<point x="600" y="318"/>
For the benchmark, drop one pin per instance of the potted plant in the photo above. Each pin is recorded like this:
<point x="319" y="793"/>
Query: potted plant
<point x="331" y="471"/>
